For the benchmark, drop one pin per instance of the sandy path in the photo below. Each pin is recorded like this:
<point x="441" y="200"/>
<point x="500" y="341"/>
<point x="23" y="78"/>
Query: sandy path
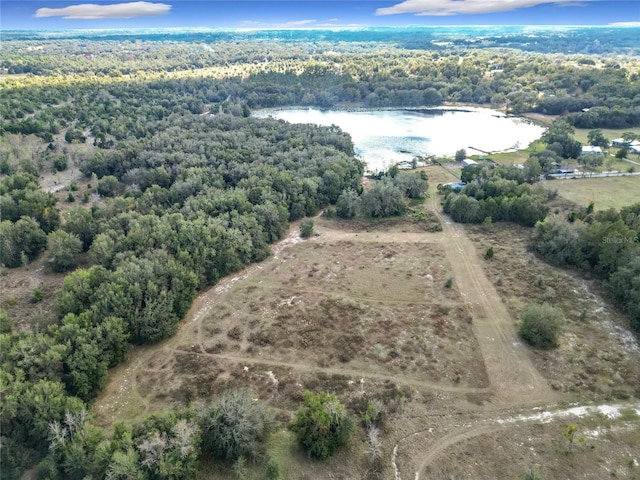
<point x="513" y="379"/>
<point x="350" y="372"/>
<point x="512" y="375"/>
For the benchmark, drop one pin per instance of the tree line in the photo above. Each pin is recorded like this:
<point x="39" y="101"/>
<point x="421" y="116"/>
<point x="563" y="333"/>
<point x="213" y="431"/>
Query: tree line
<point x="497" y="194"/>
<point x="604" y="243"/>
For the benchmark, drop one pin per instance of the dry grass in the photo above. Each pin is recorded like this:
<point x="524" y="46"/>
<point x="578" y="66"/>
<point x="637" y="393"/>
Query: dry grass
<point x="19" y="298"/>
<point x="598" y="357"/>
<point x="609" y="450"/>
<point x="375" y="307"/>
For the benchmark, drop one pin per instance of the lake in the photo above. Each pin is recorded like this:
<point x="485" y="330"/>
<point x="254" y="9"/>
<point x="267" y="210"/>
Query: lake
<point x="385" y="137"/>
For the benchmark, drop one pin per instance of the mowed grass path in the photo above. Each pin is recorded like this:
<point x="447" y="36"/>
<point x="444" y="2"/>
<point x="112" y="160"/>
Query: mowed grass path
<point x="611" y="192"/>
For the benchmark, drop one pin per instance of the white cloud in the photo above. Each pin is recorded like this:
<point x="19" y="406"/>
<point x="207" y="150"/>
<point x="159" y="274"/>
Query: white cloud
<point x="89" y="11"/>
<point x="298" y="23"/>
<point x="461" y="7"/>
<point x="625" y="24"/>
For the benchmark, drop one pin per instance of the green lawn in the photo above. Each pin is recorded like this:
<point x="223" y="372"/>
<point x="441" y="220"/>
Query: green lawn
<point x="609" y="133"/>
<point x="613" y="192"/>
<point x="514" y="158"/>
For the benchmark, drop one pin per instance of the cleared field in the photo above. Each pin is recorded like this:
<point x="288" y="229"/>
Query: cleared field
<point x="353" y="309"/>
<point x="612" y="192"/>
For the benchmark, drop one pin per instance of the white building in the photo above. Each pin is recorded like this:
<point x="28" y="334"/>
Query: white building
<point x="467" y="161"/>
<point x="591" y="150"/>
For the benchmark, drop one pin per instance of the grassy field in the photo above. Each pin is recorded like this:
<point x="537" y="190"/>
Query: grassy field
<point x="582" y="134"/>
<point x="612" y="192"/>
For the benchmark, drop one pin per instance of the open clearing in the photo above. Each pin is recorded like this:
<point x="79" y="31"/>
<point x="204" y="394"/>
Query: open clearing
<point x="342" y="306"/>
<point x="611" y="192"/>
<point x="361" y="310"/>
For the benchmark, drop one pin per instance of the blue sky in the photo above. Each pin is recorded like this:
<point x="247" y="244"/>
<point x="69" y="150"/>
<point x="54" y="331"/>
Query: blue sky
<point x="82" y="14"/>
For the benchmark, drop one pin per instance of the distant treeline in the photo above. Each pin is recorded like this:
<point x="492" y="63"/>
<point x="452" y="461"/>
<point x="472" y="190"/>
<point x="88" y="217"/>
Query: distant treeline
<point x="159" y="77"/>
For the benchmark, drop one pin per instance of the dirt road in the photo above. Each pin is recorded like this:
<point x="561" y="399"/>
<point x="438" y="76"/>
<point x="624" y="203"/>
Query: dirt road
<point x="513" y="378"/>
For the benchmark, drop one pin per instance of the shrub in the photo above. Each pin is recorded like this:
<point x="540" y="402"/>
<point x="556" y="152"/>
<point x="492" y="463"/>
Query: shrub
<point x="488" y="255"/>
<point x="322" y="425"/>
<point x="374" y="413"/>
<point x="273" y="469"/>
<point x="36" y="295"/>
<point x="532" y="474"/>
<point x="541" y="325"/>
<point x="448" y="283"/>
<point x="60" y="164"/>
<point x="306" y="227"/>
<point x="236" y="426"/>
<point x="5" y="323"/>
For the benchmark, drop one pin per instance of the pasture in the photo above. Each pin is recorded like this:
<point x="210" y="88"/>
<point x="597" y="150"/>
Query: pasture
<point x="611" y="192"/>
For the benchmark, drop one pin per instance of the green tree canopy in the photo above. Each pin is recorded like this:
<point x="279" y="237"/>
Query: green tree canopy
<point x="322" y="425"/>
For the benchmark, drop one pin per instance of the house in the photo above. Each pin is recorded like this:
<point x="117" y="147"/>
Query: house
<point x="467" y="162"/>
<point x="619" y="142"/>
<point x="591" y="150"/>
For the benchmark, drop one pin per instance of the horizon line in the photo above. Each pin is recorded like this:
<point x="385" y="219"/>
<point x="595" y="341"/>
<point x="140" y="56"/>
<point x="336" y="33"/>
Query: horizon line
<point x="325" y="27"/>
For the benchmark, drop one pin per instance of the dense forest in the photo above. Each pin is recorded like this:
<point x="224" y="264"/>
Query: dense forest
<point x="186" y="187"/>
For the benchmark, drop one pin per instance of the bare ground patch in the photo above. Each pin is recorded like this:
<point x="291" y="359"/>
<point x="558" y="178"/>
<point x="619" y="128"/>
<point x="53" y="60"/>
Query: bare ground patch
<point x="602" y="447"/>
<point x="28" y="294"/>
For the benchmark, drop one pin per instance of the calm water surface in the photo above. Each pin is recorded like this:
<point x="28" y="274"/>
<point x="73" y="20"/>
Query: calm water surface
<point x="385" y="137"/>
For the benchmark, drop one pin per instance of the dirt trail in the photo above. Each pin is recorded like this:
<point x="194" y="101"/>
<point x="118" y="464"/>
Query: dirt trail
<point x="513" y="379"/>
<point x="351" y="372"/>
<point x="512" y="376"/>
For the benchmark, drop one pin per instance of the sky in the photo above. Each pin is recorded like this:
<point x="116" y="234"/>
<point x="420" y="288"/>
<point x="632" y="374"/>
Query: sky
<point x="264" y="14"/>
